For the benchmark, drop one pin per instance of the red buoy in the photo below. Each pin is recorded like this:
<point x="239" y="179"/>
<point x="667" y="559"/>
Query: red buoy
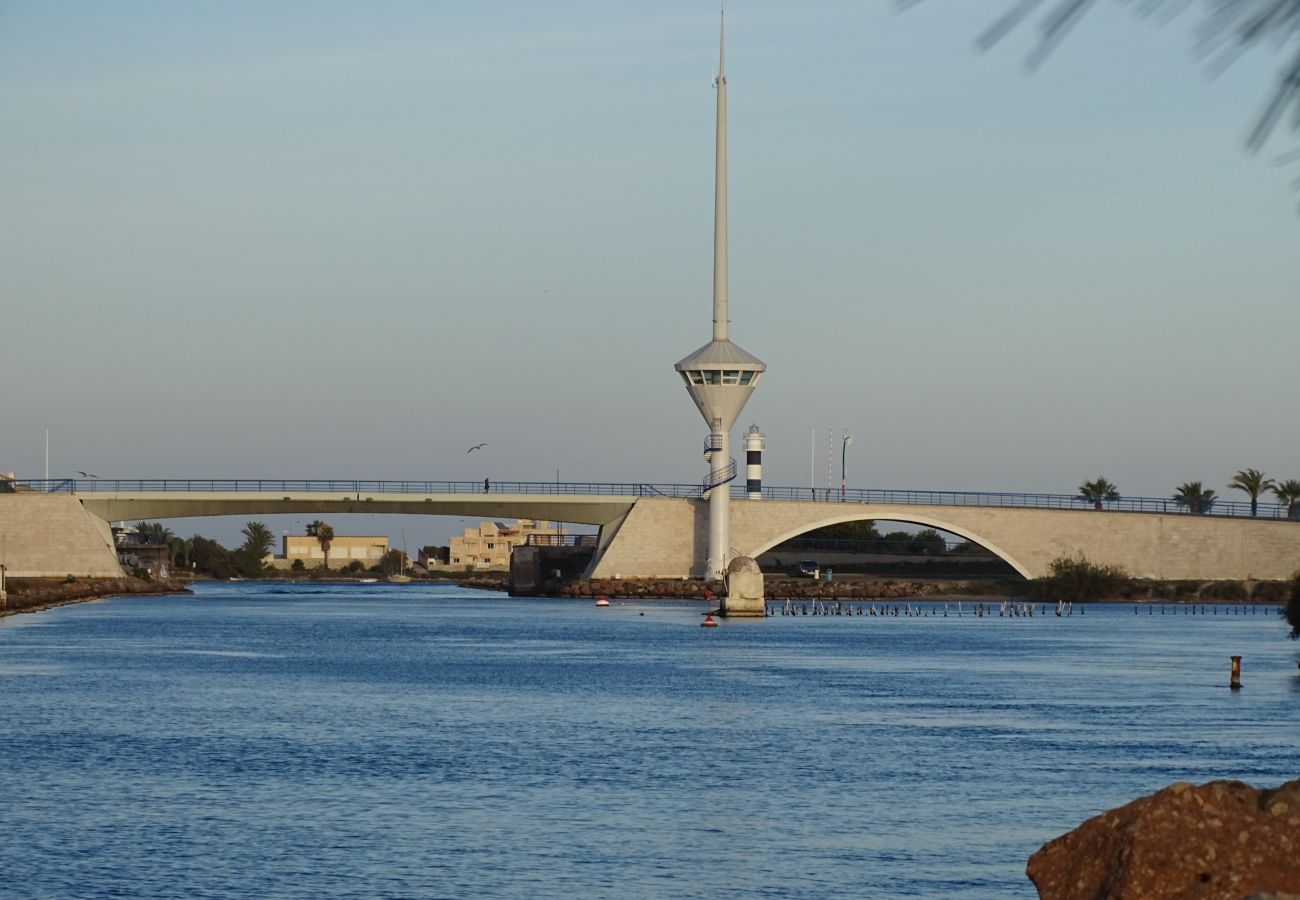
<point x="708" y="622"/>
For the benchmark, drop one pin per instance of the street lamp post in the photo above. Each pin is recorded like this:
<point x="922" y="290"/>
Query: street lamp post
<point x="844" y="448"/>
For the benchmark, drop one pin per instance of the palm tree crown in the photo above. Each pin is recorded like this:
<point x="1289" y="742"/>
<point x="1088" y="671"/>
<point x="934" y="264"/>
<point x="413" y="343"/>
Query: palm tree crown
<point x="1252" y="483"/>
<point x="1197" y="499"/>
<point x="258" y="539"/>
<point x="1096" y="491"/>
<point x="1288" y="492"/>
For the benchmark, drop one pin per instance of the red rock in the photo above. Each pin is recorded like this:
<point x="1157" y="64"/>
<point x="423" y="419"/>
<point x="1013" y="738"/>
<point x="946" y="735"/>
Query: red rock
<point x="1223" y="839"/>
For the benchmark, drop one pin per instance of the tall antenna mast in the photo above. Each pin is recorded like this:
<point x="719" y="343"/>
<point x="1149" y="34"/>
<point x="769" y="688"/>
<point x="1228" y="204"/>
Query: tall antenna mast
<point x="720" y="194"/>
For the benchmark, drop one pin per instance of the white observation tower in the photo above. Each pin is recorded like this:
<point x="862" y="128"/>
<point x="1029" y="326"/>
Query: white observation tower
<point x="720" y="376"/>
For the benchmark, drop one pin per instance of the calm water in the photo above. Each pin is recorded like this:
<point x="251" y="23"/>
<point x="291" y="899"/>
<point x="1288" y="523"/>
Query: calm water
<point x="404" y="741"/>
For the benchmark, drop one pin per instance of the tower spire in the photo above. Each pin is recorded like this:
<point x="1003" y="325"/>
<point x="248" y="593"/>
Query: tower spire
<point x="720" y="193"/>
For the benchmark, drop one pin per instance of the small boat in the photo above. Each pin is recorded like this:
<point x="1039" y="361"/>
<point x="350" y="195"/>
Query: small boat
<point x="400" y="576"/>
<point x="602" y="602"/>
<point x="367" y="581"/>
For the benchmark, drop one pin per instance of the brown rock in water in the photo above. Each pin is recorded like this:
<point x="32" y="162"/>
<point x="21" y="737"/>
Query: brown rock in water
<point x="1223" y="839"/>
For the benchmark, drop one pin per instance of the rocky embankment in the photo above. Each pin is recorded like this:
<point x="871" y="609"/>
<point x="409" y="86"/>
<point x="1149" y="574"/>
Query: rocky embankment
<point x="1221" y="839"/>
<point x="483" y="582"/>
<point x="807" y="589"/>
<point x="32" y="594"/>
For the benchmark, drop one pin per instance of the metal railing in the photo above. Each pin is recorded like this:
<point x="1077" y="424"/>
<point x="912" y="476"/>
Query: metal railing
<point x="935" y="546"/>
<point x="719" y="476"/>
<point x="352" y="489"/>
<point x="361" y="489"/>
<point x="1002" y="499"/>
<point x="562" y="540"/>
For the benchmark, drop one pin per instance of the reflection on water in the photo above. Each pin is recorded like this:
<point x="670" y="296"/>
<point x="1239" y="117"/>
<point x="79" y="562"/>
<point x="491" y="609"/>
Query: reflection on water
<point x="431" y="741"/>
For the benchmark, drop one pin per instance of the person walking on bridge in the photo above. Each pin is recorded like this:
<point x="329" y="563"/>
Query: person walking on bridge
<point x="487" y="486"/>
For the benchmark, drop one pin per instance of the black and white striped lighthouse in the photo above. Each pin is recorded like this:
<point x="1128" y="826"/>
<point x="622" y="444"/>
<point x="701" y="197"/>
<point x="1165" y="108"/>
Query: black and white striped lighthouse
<point x="754" y="443"/>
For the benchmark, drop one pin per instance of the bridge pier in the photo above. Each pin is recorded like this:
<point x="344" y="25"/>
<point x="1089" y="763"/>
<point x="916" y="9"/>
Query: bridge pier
<point x="744" y="597"/>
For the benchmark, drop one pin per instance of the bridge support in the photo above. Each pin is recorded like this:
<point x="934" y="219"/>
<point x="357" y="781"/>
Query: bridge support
<point x="744" y="589"/>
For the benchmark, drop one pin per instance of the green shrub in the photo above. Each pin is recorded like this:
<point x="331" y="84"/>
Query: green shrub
<point x="298" y="565"/>
<point x="1271" y="592"/>
<point x="1231" y="591"/>
<point x="1077" y="579"/>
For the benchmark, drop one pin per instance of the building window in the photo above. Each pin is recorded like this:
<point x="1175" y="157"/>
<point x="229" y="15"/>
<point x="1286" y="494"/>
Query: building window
<point x="745" y="377"/>
<point x="491" y="546"/>
<point x="731" y="376"/>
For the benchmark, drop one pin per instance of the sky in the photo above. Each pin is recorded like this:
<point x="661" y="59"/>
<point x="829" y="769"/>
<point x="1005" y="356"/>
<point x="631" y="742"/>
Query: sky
<point x="341" y="240"/>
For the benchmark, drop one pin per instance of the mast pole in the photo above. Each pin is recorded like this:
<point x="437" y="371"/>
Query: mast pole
<point x="720" y="195"/>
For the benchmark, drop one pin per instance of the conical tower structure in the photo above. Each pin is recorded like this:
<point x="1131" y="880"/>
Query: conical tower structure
<point x="720" y="376"/>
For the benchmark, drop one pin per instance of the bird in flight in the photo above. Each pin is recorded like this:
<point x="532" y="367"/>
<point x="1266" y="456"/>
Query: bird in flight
<point x="86" y="474"/>
<point x="477" y="447"/>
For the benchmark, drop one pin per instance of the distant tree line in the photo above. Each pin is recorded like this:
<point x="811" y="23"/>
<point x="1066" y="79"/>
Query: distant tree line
<point x="205" y="556"/>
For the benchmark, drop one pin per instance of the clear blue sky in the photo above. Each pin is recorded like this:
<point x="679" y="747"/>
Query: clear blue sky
<point x="350" y="240"/>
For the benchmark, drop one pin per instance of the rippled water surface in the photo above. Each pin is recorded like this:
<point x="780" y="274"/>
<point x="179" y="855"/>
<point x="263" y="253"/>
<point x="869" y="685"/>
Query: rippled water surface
<point x="408" y="741"/>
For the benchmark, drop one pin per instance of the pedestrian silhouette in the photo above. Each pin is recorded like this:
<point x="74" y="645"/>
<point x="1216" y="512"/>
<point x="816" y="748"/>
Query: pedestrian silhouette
<point x="487" y="485"/>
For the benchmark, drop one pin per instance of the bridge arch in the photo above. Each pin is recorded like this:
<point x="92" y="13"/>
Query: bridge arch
<point x="911" y="518"/>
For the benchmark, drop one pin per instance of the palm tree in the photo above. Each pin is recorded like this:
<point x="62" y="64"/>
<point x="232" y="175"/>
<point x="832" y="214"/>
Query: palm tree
<point x="153" y="533"/>
<point x="1198" y="500"/>
<point x="179" y="550"/>
<point x="324" y="533"/>
<point x="258" y="539"/>
<point x="1288" y="492"/>
<point x="1252" y="483"/>
<point x="1095" y="492"/>
<point x="1230" y="29"/>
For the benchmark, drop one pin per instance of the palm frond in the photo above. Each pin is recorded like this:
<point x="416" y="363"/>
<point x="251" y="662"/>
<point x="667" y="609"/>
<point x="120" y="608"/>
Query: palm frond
<point x="1227" y="30"/>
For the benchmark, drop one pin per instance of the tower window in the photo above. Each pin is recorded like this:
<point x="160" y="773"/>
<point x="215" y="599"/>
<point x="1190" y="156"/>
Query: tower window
<point x="731" y="376"/>
<point x="697" y="377"/>
<point x="746" y="377"/>
<point x="711" y="376"/>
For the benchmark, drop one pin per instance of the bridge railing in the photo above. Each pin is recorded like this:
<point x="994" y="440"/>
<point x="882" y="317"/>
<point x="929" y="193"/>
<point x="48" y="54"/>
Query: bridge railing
<point x="360" y="489"/>
<point x="1222" y="508"/>
<point x="353" y="488"/>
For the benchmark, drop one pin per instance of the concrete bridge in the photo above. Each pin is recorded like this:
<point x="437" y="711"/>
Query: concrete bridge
<point x="666" y="538"/>
<point x="661" y="530"/>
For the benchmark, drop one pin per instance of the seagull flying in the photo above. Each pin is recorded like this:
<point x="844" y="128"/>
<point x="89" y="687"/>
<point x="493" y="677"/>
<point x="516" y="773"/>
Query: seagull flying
<point x="476" y="447"/>
<point x="86" y="474"/>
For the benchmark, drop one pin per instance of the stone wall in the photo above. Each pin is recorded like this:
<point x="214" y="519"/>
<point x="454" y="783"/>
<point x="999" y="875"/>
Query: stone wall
<point x="52" y="535"/>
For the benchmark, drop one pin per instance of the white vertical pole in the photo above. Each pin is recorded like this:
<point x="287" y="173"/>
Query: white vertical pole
<point x="813" y="459"/>
<point x="47" y="454"/>
<point x="830" y="458"/>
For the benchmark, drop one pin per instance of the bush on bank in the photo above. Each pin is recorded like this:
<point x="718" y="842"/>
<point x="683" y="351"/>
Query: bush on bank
<point x="1075" y="578"/>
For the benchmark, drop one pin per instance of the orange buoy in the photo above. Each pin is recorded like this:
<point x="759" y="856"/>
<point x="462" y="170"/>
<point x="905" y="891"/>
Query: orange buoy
<point x="602" y="602"/>
<point x="708" y="622"/>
